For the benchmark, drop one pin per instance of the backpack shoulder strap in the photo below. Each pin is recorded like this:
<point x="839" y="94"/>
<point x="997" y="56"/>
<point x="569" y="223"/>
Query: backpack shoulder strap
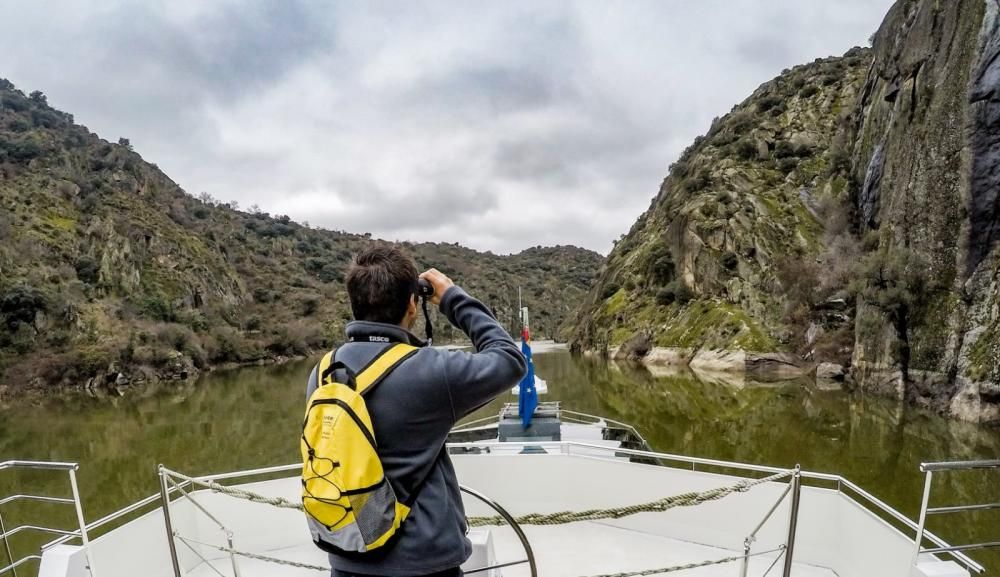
<point x="383" y="364"/>
<point x="324" y="372"/>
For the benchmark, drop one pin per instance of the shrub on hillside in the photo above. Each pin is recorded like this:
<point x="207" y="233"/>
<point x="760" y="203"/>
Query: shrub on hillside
<point x="21" y="150"/>
<point x="15" y="102"/>
<point x="332" y="272"/>
<point x="679" y="169"/>
<point x="297" y="338"/>
<point x="46" y="118"/>
<point x="21" y="303"/>
<point x="786" y="165"/>
<point x="176" y="336"/>
<point x="768" y="102"/>
<point x="729" y="260"/>
<point x="808" y="91"/>
<point x="309" y="306"/>
<point x="88" y="270"/>
<point x="225" y="345"/>
<point x="157" y="308"/>
<point x="675" y="292"/>
<point x="665" y="297"/>
<point x="745" y="149"/>
<point x="699" y="181"/>
<point x="788" y="149"/>
<point x="660" y="264"/>
<point x="740" y="121"/>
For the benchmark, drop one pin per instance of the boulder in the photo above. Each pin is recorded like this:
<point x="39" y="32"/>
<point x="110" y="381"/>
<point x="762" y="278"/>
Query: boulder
<point x="831" y="372"/>
<point x="719" y="360"/>
<point x="775" y="366"/>
<point x="668" y="356"/>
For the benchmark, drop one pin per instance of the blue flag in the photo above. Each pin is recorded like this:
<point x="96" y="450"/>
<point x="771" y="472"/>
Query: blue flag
<point x="527" y="398"/>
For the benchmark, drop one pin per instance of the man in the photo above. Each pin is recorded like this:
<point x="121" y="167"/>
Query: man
<point x="417" y="404"/>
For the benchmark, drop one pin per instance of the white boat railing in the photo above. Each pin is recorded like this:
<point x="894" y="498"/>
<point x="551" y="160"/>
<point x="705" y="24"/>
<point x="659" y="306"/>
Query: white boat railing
<point x="841" y="485"/>
<point x="929" y="469"/>
<point x="74" y="500"/>
<point x="565" y="415"/>
<point x="171" y="481"/>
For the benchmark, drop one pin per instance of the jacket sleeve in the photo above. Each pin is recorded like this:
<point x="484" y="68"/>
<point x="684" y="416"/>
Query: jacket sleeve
<point x="474" y="379"/>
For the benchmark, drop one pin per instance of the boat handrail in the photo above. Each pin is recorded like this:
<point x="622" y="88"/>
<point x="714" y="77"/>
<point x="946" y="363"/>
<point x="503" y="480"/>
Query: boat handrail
<point x="57" y="466"/>
<point x="929" y="469"/>
<point x="171" y="481"/>
<point x="79" y="533"/>
<point x="868" y="500"/>
<point x="841" y="482"/>
<point x="959" y="465"/>
<point x="156" y="497"/>
<point x="469" y="424"/>
<point x="594" y="419"/>
<point x="617" y="424"/>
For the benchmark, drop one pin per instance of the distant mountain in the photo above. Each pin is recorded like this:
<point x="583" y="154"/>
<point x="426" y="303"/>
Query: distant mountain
<point x="110" y="272"/>
<point x="846" y="212"/>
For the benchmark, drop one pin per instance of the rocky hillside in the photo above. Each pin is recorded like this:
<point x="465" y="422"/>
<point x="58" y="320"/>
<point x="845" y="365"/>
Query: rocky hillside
<point x="927" y="155"/>
<point x="845" y="212"/>
<point x="110" y="273"/>
<point x="737" y="227"/>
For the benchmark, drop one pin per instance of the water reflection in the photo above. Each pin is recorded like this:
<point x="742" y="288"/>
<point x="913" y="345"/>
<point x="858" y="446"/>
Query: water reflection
<point x="251" y="417"/>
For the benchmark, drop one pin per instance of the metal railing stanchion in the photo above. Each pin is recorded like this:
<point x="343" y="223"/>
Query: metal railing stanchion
<point x="745" y="565"/>
<point x="928" y="477"/>
<point x="6" y="544"/>
<point x="793" y="520"/>
<point x="84" y="539"/>
<point x="165" y="498"/>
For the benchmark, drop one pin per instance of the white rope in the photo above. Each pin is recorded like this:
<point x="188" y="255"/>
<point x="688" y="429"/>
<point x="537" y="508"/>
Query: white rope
<point x="280" y="502"/>
<point x="557" y="518"/>
<point x="676" y="568"/>
<point x="686" y="499"/>
<point x="642" y="573"/>
<point x="232" y="551"/>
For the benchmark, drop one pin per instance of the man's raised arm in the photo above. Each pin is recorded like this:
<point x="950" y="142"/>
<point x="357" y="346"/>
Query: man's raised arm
<point x="474" y="379"/>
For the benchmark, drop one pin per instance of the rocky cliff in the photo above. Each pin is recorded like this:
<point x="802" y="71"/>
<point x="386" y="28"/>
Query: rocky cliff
<point x="728" y="255"/>
<point x="927" y="155"/>
<point x="111" y="274"/>
<point x="846" y="212"/>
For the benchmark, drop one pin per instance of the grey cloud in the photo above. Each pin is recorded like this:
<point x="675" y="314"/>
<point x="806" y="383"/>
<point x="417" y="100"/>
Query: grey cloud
<point x="499" y="125"/>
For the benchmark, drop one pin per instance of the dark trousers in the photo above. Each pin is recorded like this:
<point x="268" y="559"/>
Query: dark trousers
<point x="456" y="572"/>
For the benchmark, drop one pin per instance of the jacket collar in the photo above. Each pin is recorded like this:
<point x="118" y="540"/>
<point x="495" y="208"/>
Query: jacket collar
<point x="371" y="332"/>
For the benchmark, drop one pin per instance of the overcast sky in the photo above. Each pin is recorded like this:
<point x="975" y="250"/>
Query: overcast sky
<point x="498" y="125"/>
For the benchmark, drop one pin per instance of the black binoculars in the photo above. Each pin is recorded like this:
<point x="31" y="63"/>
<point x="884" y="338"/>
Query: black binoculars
<point x="425" y="288"/>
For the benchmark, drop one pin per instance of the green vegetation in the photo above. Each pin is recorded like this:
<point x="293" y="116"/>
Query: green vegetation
<point x="894" y="282"/>
<point x="750" y="233"/>
<point x="109" y="267"/>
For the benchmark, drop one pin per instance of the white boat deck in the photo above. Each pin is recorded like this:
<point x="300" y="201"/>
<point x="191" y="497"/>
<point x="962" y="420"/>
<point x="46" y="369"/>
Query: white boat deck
<point x="836" y="536"/>
<point x="617" y="550"/>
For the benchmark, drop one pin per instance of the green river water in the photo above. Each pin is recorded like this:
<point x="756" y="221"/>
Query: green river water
<point x="250" y="417"/>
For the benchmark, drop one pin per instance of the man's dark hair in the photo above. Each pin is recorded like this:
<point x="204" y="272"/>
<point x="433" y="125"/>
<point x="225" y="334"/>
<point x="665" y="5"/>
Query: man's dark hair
<point x="380" y="282"/>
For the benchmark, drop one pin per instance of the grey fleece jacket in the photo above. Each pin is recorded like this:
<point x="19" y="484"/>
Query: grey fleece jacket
<point x="412" y="411"/>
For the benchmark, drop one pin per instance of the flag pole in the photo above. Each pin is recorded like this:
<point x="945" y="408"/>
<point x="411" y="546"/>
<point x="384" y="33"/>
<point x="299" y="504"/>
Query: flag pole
<point x="520" y="308"/>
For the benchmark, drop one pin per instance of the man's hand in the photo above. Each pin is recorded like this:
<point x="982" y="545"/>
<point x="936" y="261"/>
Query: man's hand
<point x="439" y="281"/>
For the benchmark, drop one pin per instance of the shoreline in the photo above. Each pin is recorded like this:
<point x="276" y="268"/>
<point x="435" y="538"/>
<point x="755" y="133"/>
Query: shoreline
<point x="965" y="400"/>
<point x="118" y="380"/>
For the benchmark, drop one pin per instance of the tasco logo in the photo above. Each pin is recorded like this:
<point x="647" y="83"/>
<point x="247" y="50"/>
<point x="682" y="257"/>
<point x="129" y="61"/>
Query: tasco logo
<point x="377" y="339"/>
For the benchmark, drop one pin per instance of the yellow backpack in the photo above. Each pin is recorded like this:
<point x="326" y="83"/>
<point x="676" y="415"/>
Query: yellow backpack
<point x="350" y="505"/>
